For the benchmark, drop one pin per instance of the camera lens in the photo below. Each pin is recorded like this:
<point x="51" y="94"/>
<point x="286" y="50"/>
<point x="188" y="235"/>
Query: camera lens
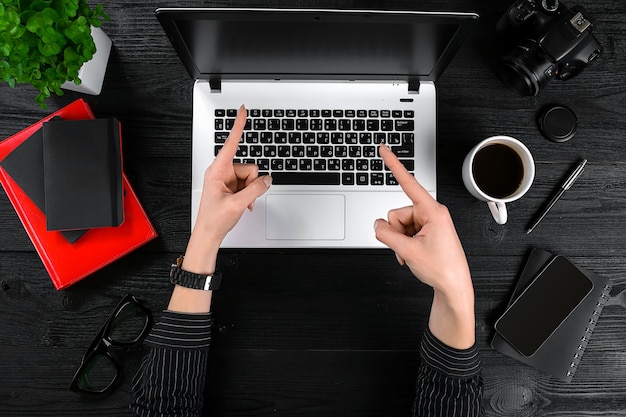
<point x="527" y="68"/>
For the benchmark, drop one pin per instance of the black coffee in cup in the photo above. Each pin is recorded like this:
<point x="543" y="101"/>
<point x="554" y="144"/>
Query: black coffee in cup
<point x="498" y="170"/>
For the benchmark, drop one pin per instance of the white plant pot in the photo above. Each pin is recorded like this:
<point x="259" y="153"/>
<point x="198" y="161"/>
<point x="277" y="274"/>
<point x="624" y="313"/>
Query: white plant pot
<point x="92" y="72"/>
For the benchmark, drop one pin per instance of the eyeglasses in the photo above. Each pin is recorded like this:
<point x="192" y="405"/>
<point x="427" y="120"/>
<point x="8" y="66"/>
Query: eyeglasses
<point x="99" y="371"/>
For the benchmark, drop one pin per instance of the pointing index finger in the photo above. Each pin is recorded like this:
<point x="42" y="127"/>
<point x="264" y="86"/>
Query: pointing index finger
<point x="231" y="145"/>
<point x="409" y="184"/>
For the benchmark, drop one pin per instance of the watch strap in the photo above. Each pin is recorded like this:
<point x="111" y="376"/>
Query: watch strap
<point x="179" y="276"/>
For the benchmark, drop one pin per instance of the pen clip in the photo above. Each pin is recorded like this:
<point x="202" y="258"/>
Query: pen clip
<point x="574" y="175"/>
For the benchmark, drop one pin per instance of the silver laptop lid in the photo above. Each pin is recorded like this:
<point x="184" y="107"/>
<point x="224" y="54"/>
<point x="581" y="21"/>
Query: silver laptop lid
<point x="218" y="43"/>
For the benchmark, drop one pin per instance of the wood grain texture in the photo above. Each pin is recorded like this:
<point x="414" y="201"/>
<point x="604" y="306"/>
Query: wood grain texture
<point x="331" y="332"/>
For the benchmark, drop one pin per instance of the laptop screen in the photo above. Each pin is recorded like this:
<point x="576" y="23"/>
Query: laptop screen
<point x="314" y="44"/>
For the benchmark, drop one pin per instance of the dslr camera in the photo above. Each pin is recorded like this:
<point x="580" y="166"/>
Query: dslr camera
<point x="550" y="41"/>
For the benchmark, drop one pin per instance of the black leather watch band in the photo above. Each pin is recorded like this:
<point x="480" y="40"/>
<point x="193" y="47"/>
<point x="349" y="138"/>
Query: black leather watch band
<point x="179" y="276"/>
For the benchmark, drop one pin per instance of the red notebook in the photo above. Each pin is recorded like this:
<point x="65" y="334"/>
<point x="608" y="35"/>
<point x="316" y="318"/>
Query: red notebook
<point x="65" y="262"/>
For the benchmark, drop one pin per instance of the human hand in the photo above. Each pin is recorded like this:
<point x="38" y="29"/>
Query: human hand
<point x="423" y="235"/>
<point x="229" y="188"/>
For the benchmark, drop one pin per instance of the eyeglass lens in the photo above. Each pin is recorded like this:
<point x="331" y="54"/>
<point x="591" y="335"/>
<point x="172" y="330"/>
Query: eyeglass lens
<point x="128" y="325"/>
<point x="97" y="374"/>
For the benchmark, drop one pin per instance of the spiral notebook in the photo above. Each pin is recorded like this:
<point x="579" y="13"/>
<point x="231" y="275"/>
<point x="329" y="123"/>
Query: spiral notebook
<point x="561" y="354"/>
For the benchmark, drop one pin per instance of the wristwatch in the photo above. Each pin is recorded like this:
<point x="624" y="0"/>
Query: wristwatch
<point x="179" y="276"/>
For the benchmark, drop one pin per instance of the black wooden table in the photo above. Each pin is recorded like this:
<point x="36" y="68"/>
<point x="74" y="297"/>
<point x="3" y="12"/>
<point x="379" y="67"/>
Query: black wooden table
<point x="331" y="332"/>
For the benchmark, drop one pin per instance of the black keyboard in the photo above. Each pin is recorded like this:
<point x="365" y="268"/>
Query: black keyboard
<point x="321" y="147"/>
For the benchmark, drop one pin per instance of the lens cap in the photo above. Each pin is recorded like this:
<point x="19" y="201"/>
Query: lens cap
<point x="558" y="123"/>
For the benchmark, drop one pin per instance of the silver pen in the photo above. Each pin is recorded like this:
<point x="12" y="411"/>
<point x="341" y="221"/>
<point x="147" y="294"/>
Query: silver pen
<point x="555" y="197"/>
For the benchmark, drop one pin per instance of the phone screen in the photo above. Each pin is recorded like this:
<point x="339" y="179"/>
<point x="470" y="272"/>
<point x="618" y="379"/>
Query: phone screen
<point x="543" y="305"/>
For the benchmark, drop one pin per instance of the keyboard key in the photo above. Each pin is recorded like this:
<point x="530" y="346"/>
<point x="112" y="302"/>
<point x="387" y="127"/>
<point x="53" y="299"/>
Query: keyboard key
<point x="316" y="124"/>
<point x="273" y="124"/>
<point x="220" y="137"/>
<point x="336" y="138"/>
<point x="390" y="179"/>
<point x="362" y="165"/>
<point x="291" y="164"/>
<point x="345" y="124"/>
<point x="303" y="113"/>
<point x="373" y="113"/>
<point x="305" y="164"/>
<point x="319" y="165"/>
<point x="306" y="178"/>
<point x="231" y="113"/>
<point x="312" y="151"/>
<point x="377" y="179"/>
<point x="361" y="113"/>
<point x="302" y="124"/>
<point x="352" y="138"/>
<point x="337" y="113"/>
<point x="350" y="113"/>
<point x="256" y="151"/>
<point x="295" y="137"/>
<point x="290" y="113"/>
<point x="386" y="125"/>
<point x="347" y="178"/>
<point x="362" y="178"/>
<point x="347" y="164"/>
<point x="297" y="151"/>
<point x="409" y="114"/>
<point x="284" y="151"/>
<point x="259" y="124"/>
<point x="334" y="164"/>
<point x="373" y="125"/>
<point x="308" y="137"/>
<point x="358" y="125"/>
<point x="220" y="112"/>
<point x="277" y="164"/>
<point x="288" y="124"/>
<point x="263" y="164"/>
<point x="252" y="137"/>
<point x="330" y="124"/>
<point x="327" y="113"/>
<point x="405" y="125"/>
<point x="279" y="113"/>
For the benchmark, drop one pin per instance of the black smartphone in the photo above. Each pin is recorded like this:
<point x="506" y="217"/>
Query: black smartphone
<point x="543" y="305"/>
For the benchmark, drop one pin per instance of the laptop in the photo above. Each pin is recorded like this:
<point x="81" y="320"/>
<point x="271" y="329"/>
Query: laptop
<point x="323" y="88"/>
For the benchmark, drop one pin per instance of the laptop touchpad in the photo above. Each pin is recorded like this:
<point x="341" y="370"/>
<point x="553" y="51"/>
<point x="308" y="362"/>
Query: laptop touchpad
<point x="305" y="216"/>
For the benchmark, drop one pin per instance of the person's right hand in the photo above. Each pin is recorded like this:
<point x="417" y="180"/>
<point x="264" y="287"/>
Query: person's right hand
<point x="423" y="236"/>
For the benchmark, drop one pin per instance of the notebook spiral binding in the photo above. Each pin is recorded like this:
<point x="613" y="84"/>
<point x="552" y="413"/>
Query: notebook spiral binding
<point x="584" y="339"/>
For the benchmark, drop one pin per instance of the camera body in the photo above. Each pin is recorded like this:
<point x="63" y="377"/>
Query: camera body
<point x="550" y="41"/>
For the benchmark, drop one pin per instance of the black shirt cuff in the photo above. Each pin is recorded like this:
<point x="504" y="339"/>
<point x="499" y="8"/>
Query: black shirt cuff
<point x="456" y="363"/>
<point x="181" y="331"/>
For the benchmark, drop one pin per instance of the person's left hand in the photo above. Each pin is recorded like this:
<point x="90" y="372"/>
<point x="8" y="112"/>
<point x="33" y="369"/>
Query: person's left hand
<point x="228" y="189"/>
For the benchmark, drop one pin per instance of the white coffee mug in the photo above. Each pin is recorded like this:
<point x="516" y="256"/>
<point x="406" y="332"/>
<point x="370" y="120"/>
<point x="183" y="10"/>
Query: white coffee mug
<point x="498" y="170"/>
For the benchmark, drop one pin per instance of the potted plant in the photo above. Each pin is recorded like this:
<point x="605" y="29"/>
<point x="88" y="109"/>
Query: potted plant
<point x="47" y="42"/>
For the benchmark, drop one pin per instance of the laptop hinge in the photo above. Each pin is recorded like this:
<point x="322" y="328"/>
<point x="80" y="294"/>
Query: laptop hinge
<point x="414" y="86"/>
<point x="216" y="85"/>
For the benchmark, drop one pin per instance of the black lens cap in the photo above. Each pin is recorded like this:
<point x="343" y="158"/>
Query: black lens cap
<point x="558" y="123"/>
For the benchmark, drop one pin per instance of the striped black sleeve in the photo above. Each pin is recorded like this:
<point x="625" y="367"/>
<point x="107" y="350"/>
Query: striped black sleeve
<point x="449" y="382"/>
<point x="170" y="381"/>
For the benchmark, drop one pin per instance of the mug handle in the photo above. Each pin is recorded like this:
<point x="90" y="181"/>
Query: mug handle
<point x="498" y="211"/>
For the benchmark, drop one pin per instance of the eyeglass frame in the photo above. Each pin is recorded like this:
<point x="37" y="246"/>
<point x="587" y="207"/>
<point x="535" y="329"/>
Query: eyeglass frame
<point x="102" y="344"/>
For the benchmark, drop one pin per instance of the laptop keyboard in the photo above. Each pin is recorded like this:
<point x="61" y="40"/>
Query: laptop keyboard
<point x="321" y="147"/>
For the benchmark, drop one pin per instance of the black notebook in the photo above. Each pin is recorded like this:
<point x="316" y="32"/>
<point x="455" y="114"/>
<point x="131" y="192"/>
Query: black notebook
<point x="563" y="350"/>
<point x="82" y="174"/>
<point x="25" y="165"/>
